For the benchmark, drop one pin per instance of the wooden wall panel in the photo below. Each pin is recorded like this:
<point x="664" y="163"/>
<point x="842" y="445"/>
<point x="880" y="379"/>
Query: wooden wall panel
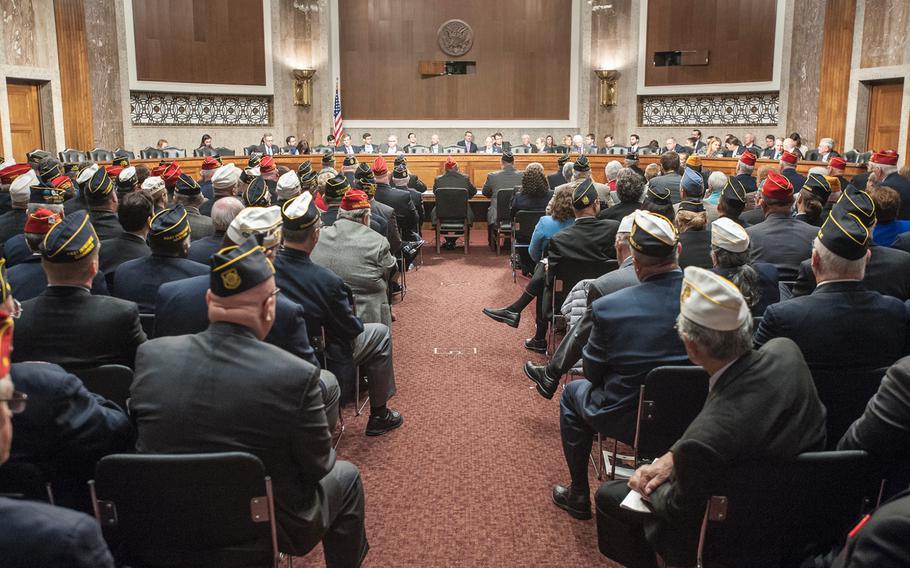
<point x="522" y="49"/>
<point x="739" y="35"/>
<point x="191" y="41"/>
<point x="834" y="85"/>
<point x="75" y="86"/>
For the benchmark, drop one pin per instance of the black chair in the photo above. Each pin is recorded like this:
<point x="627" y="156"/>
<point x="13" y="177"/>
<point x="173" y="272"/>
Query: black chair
<point x="110" y="381"/>
<point x="561" y="278"/>
<point x="321" y="149"/>
<point x="318" y="343"/>
<point x="172" y="152"/>
<point x="522" y="228"/>
<point x="285" y="149"/>
<point x="845" y="393"/>
<point x="186" y="510"/>
<point x="203" y="151"/>
<point x="456" y="149"/>
<point x="616" y="151"/>
<point x="521" y="149"/>
<point x="224" y="152"/>
<point x="148" y="324"/>
<point x="418" y="149"/>
<point x="247" y="150"/>
<point x="121" y="153"/>
<point x="503" y="217"/>
<point x="25" y="481"/>
<point x="850" y="156"/>
<point x="71" y="156"/>
<point x="452" y="215"/>
<point x="150" y="153"/>
<point x="777" y="514"/>
<point x="101" y="155"/>
<point x="863" y="158"/>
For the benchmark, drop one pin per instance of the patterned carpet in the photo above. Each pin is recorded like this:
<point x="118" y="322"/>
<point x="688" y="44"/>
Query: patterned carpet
<point x="466" y="481"/>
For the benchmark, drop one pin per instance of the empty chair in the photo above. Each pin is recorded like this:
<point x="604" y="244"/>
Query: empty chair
<point x="863" y="158"/>
<point x="101" y="155"/>
<point x="454" y="149"/>
<point x="616" y="150"/>
<point x="222" y="151"/>
<point x="71" y="156"/>
<point x="452" y="215"/>
<point x="203" y="151"/>
<point x="521" y="149"/>
<point x="845" y="393"/>
<point x="503" y="216"/>
<point x="110" y="381"/>
<point x="418" y="149"/>
<point x="321" y="149"/>
<point x="186" y="510"/>
<point x="247" y="150"/>
<point x="522" y="228"/>
<point x="850" y="156"/>
<point x="172" y="152"/>
<point x="150" y="153"/>
<point x="121" y="153"/>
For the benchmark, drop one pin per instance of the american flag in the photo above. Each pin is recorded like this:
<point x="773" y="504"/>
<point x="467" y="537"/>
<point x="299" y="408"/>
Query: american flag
<point x="338" y="130"/>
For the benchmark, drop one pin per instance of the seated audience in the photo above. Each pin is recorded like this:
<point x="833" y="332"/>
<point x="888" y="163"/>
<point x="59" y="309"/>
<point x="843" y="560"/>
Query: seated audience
<point x="629" y="189"/>
<point x="13" y="221"/>
<point x="102" y="205"/>
<point x="669" y="177"/>
<point x="787" y="165"/>
<point x="745" y="167"/>
<point x="399" y="199"/>
<point x="403" y="180"/>
<point x="261" y="400"/>
<point x="413" y="181"/>
<point x="358" y="255"/>
<point x="169" y="238"/>
<point x="562" y="215"/>
<point x="382" y="217"/>
<point x="557" y="178"/>
<point x="155" y="189"/>
<point x="658" y="201"/>
<point x="222" y="213"/>
<point x="732" y="201"/>
<point x="134" y="214"/>
<point x="883" y="165"/>
<point x="225" y="183"/>
<point x="506" y="178"/>
<point x="887" y="225"/>
<point x="581" y="171"/>
<point x="882" y="541"/>
<point x="534" y="194"/>
<point x="821" y="323"/>
<point x="327" y="305"/>
<point x="209" y="165"/>
<point x="780" y="239"/>
<point x="694" y="236"/>
<point x="731" y="257"/>
<point x="810" y="204"/>
<point x="256" y="194"/>
<point x="66" y="324"/>
<point x="611" y="172"/>
<point x="619" y="353"/>
<point x="761" y="405"/>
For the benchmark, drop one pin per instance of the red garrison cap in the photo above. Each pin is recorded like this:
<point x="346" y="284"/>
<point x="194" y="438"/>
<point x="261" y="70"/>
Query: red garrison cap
<point x="777" y="186"/>
<point x="266" y="164"/>
<point x="114" y="171"/>
<point x="747" y="158"/>
<point x="210" y="163"/>
<point x="355" y="199"/>
<point x="171" y="174"/>
<point x="9" y="173"/>
<point x="379" y="166"/>
<point x="450" y="163"/>
<point x="789" y="157"/>
<point x="40" y="221"/>
<point x="885" y="158"/>
<point x="838" y="163"/>
<point x="62" y="182"/>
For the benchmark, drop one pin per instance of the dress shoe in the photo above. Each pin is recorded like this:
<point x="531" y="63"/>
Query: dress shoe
<point x="546" y="385"/>
<point x="536" y="345"/>
<point x="449" y="245"/>
<point x="382" y="422"/>
<point x="503" y="315"/>
<point x="578" y="506"/>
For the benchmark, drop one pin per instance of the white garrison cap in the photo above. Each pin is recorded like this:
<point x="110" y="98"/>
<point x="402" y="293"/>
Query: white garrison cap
<point x="154" y="185"/>
<point x="87" y="173"/>
<point x="226" y="176"/>
<point x="653" y="234"/>
<point x="729" y="235"/>
<point x="263" y="221"/>
<point x="127" y="173"/>
<point x="20" y="188"/>
<point x="288" y="185"/>
<point x="625" y="226"/>
<point x="712" y="301"/>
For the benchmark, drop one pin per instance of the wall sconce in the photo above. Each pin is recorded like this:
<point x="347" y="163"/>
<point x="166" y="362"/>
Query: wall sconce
<point x="608" y="79"/>
<point x="303" y="87"/>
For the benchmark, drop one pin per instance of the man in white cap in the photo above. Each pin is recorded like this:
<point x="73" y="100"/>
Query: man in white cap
<point x="631" y="333"/>
<point x="288" y="187"/>
<point x="761" y="406"/>
<point x="225" y="183"/>
<point x="13" y="221"/>
<point x="157" y="190"/>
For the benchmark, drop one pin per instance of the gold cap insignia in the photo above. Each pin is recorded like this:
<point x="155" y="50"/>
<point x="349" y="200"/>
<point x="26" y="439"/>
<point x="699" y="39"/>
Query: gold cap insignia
<point x="231" y="279"/>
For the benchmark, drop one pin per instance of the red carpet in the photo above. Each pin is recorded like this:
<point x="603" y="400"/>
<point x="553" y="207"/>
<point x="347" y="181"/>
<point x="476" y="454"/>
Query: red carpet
<point x="466" y="480"/>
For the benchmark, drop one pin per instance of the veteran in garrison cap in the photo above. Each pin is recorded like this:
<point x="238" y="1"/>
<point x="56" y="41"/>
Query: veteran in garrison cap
<point x="85" y="330"/>
<point x="102" y="200"/>
<point x="288" y="187"/>
<point x="349" y="166"/>
<point x="581" y="171"/>
<point x="20" y="187"/>
<point x="257" y="193"/>
<point x="335" y="188"/>
<point x="225" y="183"/>
<point x="307" y="176"/>
<point x="557" y="178"/>
<point x="395" y="193"/>
<point x="732" y="201"/>
<point x="169" y="239"/>
<point x="188" y="195"/>
<point x="505" y="178"/>
<point x="731" y="256"/>
<point x="811" y="202"/>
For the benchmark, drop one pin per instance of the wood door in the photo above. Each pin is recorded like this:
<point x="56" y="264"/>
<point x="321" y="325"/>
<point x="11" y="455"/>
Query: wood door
<point x="24" y="118"/>
<point x="884" y="116"/>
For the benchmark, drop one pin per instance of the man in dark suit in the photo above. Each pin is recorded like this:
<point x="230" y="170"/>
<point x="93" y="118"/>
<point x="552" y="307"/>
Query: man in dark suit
<point x="327" y="305"/>
<point x="468" y="143"/>
<point x="588" y="239"/>
<point x="346" y="147"/>
<point x="134" y="215"/>
<point x="761" y="406"/>
<point x="66" y="324"/>
<point x="557" y="179"/>
<point x="412" y="141"/>
<point x="13" y="221"/>
<point x="734" y="148"/>
<point x="380" y="213"/>
<point x="391" y="146"/>
<point x="697" y="143"/>
<point x="187" y="194"/>
<point x="780" y="239"/>
<point x="102" y="205"/>
<point x="260" y="399"/>
<point x="633" y="143"/>
<point x="631" y="162"/>
<point x="499" y="145"/>
<point x="210" y="165"/>
<point x="401" y="180"/>
<point x="223" y="212"/>
<point x="367" y="146"/>
<point x="453" y="178"/>
<point x="348" y="167"/>
<point x="266" y="147"/>
<point x="632" y="332"/>
<point x="398" y="199"/>
<point x="749" y="144"/>
<point x="669" y="178"/>
<point x="506" y="178"/>
<point x="824" y="152"/>
<point x="882" y="540"/>
<point x="788" y="163"/>
<point x="774" y="151"/>
<point x="884" y="166"/>
<point x="413" y="181"/>
<point x="169" y="238"/>
<point x="744" y="168"/>
<point x="672" y="146"/>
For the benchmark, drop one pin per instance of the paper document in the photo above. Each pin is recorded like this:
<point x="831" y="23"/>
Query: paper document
<point x="635" y="502"/>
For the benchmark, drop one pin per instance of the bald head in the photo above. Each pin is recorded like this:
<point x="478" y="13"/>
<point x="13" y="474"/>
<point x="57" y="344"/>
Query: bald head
<point x="253" y="308"/>
<point x="223" y="212"/>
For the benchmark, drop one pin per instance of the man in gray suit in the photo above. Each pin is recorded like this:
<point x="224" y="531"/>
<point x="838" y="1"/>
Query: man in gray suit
<point x="780" y="239"/>
<point x="669" y="177"/>
<point x="506" y="178"/>
<point x="239" y="393"/>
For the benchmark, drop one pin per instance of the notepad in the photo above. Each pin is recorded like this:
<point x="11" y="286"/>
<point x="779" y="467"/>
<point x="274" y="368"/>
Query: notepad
<point x="635" y="502"/>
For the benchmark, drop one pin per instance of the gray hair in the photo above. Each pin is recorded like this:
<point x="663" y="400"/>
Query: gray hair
<point x="580" y="175"/>
<point x="886" y="170"/>
<point x="742" y="168"/>
<point x="567" y="170"/>
<point x="353" y="215"/>
<point x="722" y="345"/>
<point x="717" y="181"/>
<point x="223" y="212"/>
<point x="829" y="142"/>
<point x="833" y="266"/>
<point x="611" y="170"/>
<point x="819" y="170"/>
<point x="629" y="185"/>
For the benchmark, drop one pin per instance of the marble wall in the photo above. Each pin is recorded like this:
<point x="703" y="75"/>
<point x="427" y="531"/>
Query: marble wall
<point x="885" y="20"/>
<point x="805" y="75"/>
<point x="105" y="73"/>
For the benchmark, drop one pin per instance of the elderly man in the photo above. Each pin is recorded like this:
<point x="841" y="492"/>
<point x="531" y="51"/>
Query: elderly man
<point x="611" y="171"/>
<point x="288" y="187"/>
<point x="744" y="172"/>
<point x="505" y="178"/>
<point x="391" y="145"/>
<point x="631" y="162"/>
<point x="526" y="141"/>
<point x="223" y="212"/>
<point x="99" y="330"/>
<point x="348" y="167"/>
<point x="884" y="166"/>
<point x="225" y="183"/>
<point x="102" y="205"/>
<point x="360" y="256"/>
<point x="824" y="152"/>
<point x="13" y="221"/>
<point x="188" y="194"/>
<point x="261" y="400"/>
<point x="619" y="353"/>
<point x="761" y="406"/>
<point x="629" y="189"/>
<point x="404" y="180"/>
<point x="557" y="178"/>
<point x="787" y="164"/>
<point x="399" y="199"/>
<point x="672" y="146"/>
<point x="749" y="143"/>
<point x="210" y="165"/>
<point x="780" y="239"/>
<point x="581" y="171"/>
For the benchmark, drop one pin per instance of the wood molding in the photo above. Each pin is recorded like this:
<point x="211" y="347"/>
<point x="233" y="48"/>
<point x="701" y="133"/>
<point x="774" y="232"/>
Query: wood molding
<point x="834" y="84"/>
<point x="75" y="82"/>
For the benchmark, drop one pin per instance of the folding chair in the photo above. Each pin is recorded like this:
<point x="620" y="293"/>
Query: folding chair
<point x="452" y="215"/>
<point x="110" y="381"/>
<point x="845" y="394"/>
<point x="561" y="278"/>
<point x="503" y="216"/>
<point x="522" y="228"/>
<point x="778" y="514"/>
<point x="186" y="510"/>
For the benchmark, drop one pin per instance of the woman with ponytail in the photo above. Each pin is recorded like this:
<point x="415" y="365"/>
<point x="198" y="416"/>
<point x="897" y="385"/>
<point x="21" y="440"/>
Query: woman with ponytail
<point x="757" y="281"/>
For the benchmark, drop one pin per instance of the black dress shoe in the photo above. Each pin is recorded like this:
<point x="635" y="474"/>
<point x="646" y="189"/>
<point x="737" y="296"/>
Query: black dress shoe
<point x="536" y="345"/>
<point x="546" y="385"/>
<point x="381" y="423"/>
<point x="578" y="506"/>
<point x="503" y="315"/>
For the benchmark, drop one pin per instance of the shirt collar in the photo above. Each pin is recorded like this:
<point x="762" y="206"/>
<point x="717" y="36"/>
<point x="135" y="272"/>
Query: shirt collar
<point x="714" y="378"/>
<point x="820" y="284"/>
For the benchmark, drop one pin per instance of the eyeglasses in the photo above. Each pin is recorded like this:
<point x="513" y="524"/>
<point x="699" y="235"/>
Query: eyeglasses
<point x="16" y="404"/>
<point x="275" y="292"/>
<point x="16" y="313"/>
